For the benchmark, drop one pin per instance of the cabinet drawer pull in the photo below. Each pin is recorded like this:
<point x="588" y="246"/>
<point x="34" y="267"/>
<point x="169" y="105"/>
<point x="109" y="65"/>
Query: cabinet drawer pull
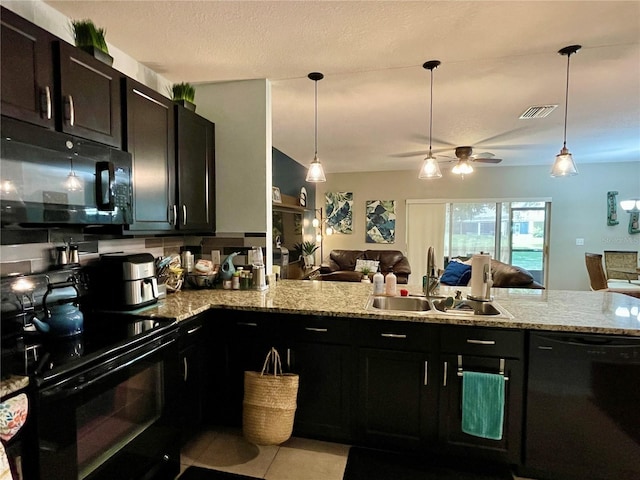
<point x="247" y="324"/>
<point x="393" y="335"/>
<point x="72" y="113"/>
<point x="444" y="374"/>
<point x="194" y="330"/>
<point x="481" y="342"/>
<point x="316" y="329"/>
<point x="426" y="373"/>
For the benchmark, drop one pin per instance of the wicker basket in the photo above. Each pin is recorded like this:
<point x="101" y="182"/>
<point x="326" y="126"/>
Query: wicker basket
<point x="269" y="404"/>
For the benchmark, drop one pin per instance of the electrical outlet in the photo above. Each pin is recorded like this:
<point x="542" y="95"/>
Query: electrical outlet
<point x="579" y="241"/>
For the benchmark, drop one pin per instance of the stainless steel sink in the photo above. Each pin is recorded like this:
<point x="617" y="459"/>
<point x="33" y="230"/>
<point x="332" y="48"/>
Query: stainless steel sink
<point x="439" y="306"/>
<point x="403" y="304"/>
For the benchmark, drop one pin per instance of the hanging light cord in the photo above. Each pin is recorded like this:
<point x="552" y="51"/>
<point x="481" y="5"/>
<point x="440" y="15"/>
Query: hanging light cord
<point x="430" y="111"/>
<point x="316" y="125"/>
<point x="566" y="102"/>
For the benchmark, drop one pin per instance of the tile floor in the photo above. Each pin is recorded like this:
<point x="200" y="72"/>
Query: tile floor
<point x="297" y="459"/>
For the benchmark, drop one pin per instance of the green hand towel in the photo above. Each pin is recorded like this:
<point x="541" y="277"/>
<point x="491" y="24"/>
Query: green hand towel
<point x="483" y="404"/>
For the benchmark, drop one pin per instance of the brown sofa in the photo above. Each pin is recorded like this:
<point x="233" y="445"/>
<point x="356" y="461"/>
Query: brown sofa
<point x="342" y="264"/>
<point x="504" y="275"/>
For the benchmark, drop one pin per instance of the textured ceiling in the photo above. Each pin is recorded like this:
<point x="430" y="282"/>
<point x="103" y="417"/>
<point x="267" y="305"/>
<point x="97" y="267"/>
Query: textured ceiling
<point x="498" y="58"/>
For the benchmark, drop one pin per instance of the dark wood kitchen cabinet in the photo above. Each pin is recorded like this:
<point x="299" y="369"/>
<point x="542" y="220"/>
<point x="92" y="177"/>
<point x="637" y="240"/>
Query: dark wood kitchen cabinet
<point x="195" y="153"/>
<point x="150" y="138"/>
<point x="27" y="70"/>
<point x="88" y="96"/>
<point x="195" y="380"/>
<point x="486" y="350"/>
<point x="319" y="350"/>
<point x="398" y="388"/>
<point x="48" y="82"/>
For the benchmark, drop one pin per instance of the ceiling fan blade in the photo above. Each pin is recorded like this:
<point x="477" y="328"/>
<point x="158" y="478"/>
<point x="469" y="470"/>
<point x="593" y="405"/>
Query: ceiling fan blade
<point x="483" y="155"/>
<point x="486" y="160"/>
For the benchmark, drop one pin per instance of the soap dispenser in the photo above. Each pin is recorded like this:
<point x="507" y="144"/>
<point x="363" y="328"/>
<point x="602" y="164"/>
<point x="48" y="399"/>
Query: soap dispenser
<point x="390" y="282"/>
<point x="378" y="283"/>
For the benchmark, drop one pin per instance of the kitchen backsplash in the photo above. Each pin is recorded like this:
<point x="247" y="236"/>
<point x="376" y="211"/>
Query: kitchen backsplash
<point x="39" y="257"/>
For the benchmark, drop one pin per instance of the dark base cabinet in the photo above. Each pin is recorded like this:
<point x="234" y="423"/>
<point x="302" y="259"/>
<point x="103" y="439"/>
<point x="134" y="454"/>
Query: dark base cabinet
<point x="317" y="350"/>
<point x="195" y="380"/>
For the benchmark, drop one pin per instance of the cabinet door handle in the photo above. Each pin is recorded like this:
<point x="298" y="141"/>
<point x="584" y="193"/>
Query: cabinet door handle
<point x="72" y="112"/>
<point x="445" y="373"/>
<point x="288" y="359"/>
<point x="47" y="100"/>
<point x="175" y="214"/>
<point x="247" y="324"/>
<point x="426" y="373"/>
<point x="194" y="330"/>
<point x="393" y="335"/>
<point x="481" y="342"/>
<point x="316" y="329"/>
<point x="184" y="214"/>
<point x="185" y="374"/>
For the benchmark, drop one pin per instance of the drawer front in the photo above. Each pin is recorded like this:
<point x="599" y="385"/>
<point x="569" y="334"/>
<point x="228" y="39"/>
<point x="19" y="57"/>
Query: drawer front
<point x="317" y="329"/>
<point x="482" y="341"/>
<point x="252" y="325"/>
<point x="396" y="335"/>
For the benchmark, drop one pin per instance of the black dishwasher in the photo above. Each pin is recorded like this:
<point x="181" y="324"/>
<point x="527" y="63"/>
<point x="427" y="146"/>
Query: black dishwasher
<point x="583" y="407"/>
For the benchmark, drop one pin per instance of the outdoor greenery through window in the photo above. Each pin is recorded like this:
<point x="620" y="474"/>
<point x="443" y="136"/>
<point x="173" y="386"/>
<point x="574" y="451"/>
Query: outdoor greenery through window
<point x="516" y="230"/>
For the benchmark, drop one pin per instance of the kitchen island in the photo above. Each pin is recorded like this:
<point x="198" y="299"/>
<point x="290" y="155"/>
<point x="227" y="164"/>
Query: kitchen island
<point x="553" y="310"/>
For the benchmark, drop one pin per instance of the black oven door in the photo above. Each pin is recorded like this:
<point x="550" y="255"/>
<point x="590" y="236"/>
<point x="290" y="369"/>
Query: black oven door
<point x="115" y="420"/>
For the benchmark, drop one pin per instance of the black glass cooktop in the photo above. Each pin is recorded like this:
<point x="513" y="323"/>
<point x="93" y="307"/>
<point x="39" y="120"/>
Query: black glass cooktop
<point x="105" y="335"/>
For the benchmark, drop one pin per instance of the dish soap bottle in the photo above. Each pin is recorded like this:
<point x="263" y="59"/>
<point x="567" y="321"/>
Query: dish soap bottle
<point x="390" y="284"/>
<point x="378" y="283"/>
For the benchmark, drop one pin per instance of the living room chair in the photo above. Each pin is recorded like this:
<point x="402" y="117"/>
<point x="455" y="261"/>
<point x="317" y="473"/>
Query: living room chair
<point x="598" y="279"/>
<point x="618" y="264"/>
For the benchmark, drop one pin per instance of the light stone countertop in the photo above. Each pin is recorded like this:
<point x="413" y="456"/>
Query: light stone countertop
<point x="557" y="310"/>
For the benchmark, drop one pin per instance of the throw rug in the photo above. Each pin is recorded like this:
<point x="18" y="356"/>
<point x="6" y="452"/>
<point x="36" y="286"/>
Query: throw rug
<point x="199" y="473"/>
<point x="369" y="464"/>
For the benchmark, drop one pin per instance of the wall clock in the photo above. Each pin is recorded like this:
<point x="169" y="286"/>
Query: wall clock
<point x="303" y="197"/>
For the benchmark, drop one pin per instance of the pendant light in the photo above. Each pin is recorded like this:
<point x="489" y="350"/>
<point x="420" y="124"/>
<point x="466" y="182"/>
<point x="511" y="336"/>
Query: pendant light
<point x="564" y="165"/>
<point x="316" y="172"/>
<point x="72" y="182"/>
<point x="430" y="168"/>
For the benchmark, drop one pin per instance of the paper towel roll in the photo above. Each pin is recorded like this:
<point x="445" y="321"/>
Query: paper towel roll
<point x="478" y="263"/>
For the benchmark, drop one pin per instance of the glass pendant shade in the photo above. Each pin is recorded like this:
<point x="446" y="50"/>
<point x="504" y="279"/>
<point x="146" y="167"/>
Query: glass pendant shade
<point x="73" y="183"/>
<point x="462" y="168"/>
<point x="430" y="169"/>
<point x="315" y="174"/>
<point x="564" y="165"/>
<point x="632" y="205"/>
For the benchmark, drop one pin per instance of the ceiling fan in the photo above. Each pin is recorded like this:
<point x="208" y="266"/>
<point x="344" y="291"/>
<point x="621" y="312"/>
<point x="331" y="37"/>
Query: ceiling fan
<point x="465" y="156"/>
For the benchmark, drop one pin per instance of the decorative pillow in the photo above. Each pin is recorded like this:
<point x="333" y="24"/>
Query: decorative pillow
<point x="372" y="265"/>
<point x="13" y="414"/>
<point x="456" y="273"/>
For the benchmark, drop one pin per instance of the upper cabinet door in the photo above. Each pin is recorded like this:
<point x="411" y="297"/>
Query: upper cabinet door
<point x="150" y="139"/>
<point x="27" y="71"/>
<point x="89" y="96"/>
<point x="196" y="171"/>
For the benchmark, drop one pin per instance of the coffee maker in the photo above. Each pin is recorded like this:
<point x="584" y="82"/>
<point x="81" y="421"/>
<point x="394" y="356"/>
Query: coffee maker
<point x="127" y="281"/>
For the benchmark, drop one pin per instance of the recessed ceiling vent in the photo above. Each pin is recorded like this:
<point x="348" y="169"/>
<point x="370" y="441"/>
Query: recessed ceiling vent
<point x="537" y="111"/>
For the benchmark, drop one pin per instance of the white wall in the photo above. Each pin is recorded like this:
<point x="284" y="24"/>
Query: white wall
<point x="579" y="207"/>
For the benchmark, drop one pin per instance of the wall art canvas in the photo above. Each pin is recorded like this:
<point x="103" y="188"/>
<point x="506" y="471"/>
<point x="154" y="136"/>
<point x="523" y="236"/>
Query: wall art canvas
<point x="339" y="210"/>
<point x="381" y="221"/>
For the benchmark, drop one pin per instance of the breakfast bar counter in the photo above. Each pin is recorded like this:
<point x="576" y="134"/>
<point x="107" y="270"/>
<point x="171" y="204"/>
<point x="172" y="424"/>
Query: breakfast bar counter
<point x="551" y="310"/>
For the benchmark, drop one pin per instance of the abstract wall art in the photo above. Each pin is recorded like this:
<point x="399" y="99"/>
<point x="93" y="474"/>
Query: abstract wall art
<point x="381" y="221"/>
<point x="339" y="210"/>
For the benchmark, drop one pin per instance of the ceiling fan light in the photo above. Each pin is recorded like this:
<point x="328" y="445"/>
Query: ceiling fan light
<point x="315" y="174"/>
<point x="462" y="168"/>
<point x="564" y="165"/>
<point x="430" y="169"/>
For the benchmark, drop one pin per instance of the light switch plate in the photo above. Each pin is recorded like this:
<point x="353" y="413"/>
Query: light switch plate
<point x="579" y="241"/>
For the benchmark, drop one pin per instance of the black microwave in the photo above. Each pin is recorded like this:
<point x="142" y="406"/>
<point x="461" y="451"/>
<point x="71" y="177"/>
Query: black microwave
<point x="52" y="178"/>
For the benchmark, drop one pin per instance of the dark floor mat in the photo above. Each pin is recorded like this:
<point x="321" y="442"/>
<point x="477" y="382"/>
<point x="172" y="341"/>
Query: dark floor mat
<point x="199" y="473"/>
<point x="369" y="464"/>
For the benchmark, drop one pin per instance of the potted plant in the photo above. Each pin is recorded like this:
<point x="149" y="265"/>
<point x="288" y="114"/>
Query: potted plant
<point x="91" y="39"/>
<point x="306" y="251"/>
<point x="365" y="274"/>
<point x="184" y="94"/>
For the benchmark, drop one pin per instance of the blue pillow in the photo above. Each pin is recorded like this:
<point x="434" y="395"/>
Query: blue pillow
<point x="456" y="273"/>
